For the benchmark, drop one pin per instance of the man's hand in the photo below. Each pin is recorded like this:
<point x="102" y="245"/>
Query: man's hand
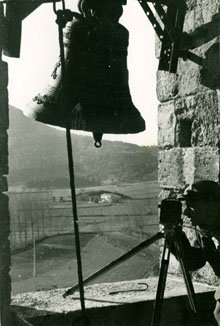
<point x="171" y="231"/>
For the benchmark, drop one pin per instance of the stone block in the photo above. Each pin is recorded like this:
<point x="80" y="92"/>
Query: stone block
<point x="170" y="173"/>
<point x="205" y="10"/>
<point x="200" y="12"/>
<point x="197" y="120"/>
<point x="178" y="167"/>
<point x="166" y="125"/>
<point x="167" y="86"/>
<point x="189" y="22"/>
<point x="200" y="163"/>
<point x="206" y="164"/>
<point x="189" y="78"/>
<point x="205" y="126"/>
<point x="185" y="105"/>
<point x="191" y="4"/>
<point x="188" y="165"/>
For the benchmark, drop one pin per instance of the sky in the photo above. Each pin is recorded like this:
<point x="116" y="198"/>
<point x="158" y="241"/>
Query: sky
<point x="29" y="74"/>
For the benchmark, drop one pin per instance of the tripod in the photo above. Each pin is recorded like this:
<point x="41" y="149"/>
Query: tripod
<point x="174" y="241"/>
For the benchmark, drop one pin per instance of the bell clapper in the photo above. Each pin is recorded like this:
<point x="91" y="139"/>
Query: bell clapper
<point x="98" y="139"/>
<point x="98" y="144"/>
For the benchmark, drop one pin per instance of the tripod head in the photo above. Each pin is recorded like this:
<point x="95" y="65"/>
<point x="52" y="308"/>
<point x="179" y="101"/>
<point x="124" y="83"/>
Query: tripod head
<point x="171" y="211"/>
<point x="171" y="217"/>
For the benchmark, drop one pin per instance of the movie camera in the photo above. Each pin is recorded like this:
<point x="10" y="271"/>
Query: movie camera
<point x="170" y="211"/>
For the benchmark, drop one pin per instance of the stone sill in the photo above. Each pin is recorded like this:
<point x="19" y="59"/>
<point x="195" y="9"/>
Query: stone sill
<point x="115" y="300"/>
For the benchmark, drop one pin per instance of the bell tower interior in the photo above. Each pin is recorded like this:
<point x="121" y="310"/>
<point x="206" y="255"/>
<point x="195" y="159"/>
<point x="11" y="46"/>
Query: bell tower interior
<point x="187" y="88"/>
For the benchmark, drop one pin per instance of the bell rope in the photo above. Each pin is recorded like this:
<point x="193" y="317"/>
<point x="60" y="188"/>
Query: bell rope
<point x="63" y="16"/>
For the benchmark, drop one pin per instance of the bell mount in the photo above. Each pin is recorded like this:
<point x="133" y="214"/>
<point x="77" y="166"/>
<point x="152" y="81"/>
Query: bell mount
<point x="166" y="16"/>
<point x="170" y="14"/>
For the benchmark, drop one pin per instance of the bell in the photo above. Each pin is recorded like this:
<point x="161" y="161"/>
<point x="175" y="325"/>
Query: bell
<point x="94" y="95"/>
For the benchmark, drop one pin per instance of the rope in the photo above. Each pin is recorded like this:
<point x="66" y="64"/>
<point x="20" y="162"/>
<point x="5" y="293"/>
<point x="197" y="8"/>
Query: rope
<point x="63" y="16"/>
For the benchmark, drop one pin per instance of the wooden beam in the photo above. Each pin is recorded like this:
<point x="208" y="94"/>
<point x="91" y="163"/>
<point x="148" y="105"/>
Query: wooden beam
<point x="16" y="11"/>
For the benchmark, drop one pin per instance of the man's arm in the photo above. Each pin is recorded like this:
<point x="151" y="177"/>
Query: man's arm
<point x="211" y="254"/>
<point x="194" y="256"/>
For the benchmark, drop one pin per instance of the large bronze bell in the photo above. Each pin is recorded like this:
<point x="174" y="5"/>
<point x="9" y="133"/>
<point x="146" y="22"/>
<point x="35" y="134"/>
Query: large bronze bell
<point x="94" y="96"/>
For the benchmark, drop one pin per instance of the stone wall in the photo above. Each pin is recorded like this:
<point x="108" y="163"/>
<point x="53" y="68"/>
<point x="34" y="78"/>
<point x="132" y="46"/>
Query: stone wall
<point x="5" y="282"/>
<point x="189" y="111"/>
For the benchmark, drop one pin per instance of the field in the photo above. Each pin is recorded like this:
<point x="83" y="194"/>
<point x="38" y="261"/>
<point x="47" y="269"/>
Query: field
<point x="42" y="241"/>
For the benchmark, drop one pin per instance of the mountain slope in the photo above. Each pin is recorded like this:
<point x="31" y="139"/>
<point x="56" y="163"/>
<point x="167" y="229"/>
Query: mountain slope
<point x="38" y="157"/>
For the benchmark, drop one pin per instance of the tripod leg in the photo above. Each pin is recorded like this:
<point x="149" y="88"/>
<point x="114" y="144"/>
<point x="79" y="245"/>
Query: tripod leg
<point x="161" y="286"/>
<point x="108" y="267"/>
<point x="186" y="275"/>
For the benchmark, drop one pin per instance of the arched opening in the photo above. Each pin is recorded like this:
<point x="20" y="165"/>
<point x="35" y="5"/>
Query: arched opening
<point x="116" y="187"/>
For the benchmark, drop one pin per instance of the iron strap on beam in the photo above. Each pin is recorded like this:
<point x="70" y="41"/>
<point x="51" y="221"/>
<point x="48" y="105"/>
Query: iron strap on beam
<point x="171" y="46"/>
<point x="158" y="29"/>
<point x="172" y="20"/>
<point x="168" y="26"/>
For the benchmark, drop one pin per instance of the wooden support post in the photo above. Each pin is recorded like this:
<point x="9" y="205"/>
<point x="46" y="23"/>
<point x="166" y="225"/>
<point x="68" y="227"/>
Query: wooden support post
<point x="5" y="261"/>
<point x="15" y="14"/>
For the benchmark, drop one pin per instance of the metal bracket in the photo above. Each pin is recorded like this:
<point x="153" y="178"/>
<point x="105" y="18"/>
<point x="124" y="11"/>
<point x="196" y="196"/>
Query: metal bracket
<point x="171" y="15"/>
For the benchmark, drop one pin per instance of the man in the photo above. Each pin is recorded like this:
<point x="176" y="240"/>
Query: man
<point x="203" y="209"/>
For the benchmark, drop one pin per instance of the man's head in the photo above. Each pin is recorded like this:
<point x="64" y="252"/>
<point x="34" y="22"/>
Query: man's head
<point x="203" y="204"/>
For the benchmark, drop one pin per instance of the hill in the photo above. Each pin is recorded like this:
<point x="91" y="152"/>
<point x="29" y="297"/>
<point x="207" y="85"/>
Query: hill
<point x="38" y="157"/>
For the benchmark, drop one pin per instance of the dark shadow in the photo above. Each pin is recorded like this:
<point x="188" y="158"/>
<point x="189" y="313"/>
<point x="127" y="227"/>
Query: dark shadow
<point x="210" y="72"/>
<point x="176" y="311"/>
<point x="184" y="133"/>
<point x="202" y="34"/>
<point x="210" y="62"/>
